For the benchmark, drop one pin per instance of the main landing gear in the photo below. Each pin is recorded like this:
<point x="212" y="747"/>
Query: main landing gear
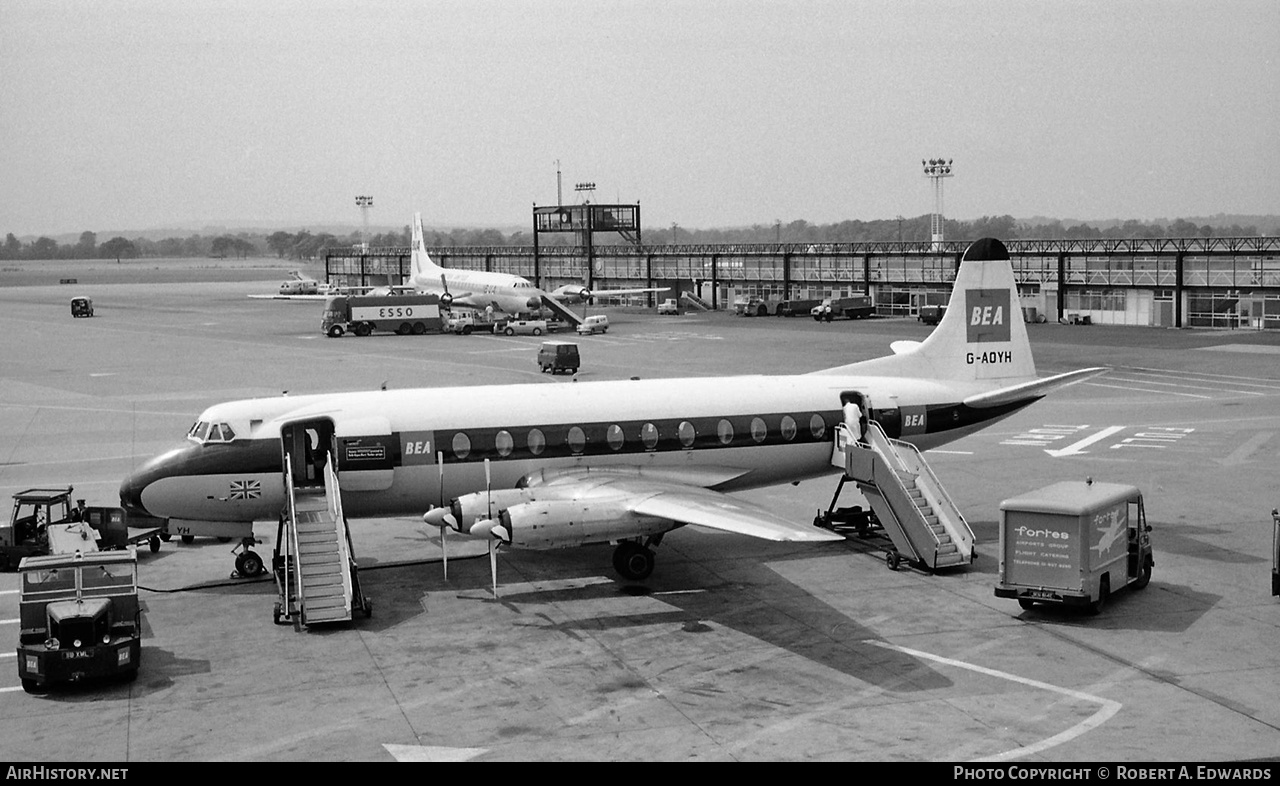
<point x="248" y="564"/>
<point x="634" y="560"/>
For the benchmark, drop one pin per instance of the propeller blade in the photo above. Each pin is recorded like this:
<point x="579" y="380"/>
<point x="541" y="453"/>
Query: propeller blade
<point x="444" y="552"/>
<point x="493" y="565"/>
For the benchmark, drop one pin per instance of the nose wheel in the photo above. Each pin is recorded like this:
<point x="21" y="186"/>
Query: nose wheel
<point x="248" y="564"/>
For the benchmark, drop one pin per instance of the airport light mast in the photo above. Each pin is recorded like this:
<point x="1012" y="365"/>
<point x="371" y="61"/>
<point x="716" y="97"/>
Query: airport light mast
<point x="364" y="203"/>
<point x="936" y="169"/>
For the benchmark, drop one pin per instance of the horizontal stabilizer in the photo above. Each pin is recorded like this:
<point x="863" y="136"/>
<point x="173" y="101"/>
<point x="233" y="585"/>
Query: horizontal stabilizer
<point x="1034" y="388"/>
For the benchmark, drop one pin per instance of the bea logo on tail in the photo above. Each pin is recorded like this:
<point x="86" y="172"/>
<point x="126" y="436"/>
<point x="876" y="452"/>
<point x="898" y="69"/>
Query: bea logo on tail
<point x="988" y="312"/>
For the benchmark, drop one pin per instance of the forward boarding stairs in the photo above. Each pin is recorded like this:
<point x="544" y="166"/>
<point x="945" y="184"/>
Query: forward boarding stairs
<point x="909" y="501"/>
<point x="695" y="301"/>
<point x="316" y="573"/>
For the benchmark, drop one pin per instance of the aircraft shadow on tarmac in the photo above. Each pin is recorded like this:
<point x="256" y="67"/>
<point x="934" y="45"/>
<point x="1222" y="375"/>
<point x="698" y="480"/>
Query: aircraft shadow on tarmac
<point x="751" y="602"/>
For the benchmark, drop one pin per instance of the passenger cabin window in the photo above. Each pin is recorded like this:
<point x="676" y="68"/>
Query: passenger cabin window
<point x="649" y="435"/>
<point x="615" y="437"/>
<point x="537" y="442"/>
<point x="504" y="443"/>
<point x="687" y="434"/>
<point x="788" y="428"/>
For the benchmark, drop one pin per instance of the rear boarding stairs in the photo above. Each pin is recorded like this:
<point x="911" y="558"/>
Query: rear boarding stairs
<point x="910" y="504"/>
<point x="316" y="572"/>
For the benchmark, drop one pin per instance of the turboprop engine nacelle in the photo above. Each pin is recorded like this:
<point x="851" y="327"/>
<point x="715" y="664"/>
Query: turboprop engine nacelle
<point x="550" y="524"/>
<point x="482" y="505"/>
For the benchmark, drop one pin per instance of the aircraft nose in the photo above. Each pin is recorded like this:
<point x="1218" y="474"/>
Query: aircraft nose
<point x="131" y="494"/>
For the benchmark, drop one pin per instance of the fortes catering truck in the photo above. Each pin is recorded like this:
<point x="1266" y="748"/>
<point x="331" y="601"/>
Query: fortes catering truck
<point x="363" y="314"/>
<point x="1073" y="543"/>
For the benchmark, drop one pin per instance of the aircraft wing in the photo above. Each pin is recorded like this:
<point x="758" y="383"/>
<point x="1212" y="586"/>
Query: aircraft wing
<point x="679" y="502"/>
<point x="611" y="292"/>
<point x="1034" y="388"/>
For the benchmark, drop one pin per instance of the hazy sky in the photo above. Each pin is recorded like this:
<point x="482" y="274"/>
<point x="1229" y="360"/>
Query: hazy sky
<point x="133" y="115"/>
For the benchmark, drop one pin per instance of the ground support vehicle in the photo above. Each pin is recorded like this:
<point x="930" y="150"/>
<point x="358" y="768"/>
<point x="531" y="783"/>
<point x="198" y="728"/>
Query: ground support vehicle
<point x="364" y="314"/>
<point x="593" y="324"/>
<point x="464" y="322"/>
<point x="931" y="315"/>
<point x="42" y="518"/>
<point x="524" y="327"/>
<point x="752" y="307"/>
<point x="81" y="307"/>
<point x="558" y="356"/>
<point x="855" y="307"/>
<point x="79" y="618"/>
<point x="669" y="306"/>
<point x="1073" y="543"/>
<point x="1275" y="551"/>
<point x="27" y="533"/>
<point x="797" y="308"/>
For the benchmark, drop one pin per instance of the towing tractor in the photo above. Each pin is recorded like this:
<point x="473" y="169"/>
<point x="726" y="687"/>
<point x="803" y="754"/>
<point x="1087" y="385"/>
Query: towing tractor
<point x="43" y="517"/>
<point x="1074" y="543"/>
<point x="79" y="617"/>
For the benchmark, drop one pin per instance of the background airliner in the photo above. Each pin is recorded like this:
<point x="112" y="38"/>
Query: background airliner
<point x="622" y="462"/>
<point x="504" y="293"/>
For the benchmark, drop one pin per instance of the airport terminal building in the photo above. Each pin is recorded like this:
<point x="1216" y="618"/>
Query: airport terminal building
<point x="1164" y="282"/>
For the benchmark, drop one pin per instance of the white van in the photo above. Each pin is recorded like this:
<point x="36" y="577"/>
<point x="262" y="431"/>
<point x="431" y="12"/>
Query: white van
<point x="596" y="324"/>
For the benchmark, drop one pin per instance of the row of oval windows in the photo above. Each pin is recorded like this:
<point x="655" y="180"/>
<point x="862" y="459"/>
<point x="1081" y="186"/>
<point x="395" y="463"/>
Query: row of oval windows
<point x="576" y="438"/>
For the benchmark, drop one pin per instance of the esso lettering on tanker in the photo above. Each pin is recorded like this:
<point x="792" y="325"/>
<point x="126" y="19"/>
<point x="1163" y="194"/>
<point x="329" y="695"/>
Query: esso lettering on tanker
<point x="395" y="312"/>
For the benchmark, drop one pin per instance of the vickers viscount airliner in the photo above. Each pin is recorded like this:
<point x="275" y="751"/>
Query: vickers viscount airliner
<point x="620" y="462"/>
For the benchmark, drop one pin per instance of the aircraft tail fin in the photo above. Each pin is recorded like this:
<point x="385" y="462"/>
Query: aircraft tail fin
<point x="420" y="263"/>
<point x="980" y="338"/>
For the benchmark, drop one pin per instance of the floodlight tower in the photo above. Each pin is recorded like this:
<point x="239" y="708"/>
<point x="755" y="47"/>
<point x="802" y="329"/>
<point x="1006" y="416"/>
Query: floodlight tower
<point x="936" y="169"/>
<point x="364" y="203"/>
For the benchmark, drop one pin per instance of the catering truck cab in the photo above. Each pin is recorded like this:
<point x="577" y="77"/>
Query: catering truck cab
<point x="79" y="617"/>
<point x="1073" y="543"/>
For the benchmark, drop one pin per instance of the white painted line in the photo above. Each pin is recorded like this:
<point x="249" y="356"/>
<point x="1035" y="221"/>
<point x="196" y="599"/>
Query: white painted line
<point x="1234" y="378"/>
<point x="10" y="690"/>
<point x="1107" y="709"/>
<point x="8" y="592"/>
<point x="1144" y="390"/>
<point x="8" y="654"/>
<point x="10" y="622"/>
<point x="1074" y="449"/>
<point x="952" y="452"/>
<point x="1184" y="385"/>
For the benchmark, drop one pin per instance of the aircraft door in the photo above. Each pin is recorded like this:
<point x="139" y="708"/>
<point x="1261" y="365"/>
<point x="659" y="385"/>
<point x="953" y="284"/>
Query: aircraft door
<point x="889" y="418"/>
<point x="308" y="444"/>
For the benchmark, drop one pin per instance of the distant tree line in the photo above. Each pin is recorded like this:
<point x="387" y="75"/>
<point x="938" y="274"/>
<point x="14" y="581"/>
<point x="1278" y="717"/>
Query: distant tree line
<point x="305" y="245"/>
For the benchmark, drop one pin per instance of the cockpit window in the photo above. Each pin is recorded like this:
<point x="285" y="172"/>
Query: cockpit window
<point x="203" y="433"/>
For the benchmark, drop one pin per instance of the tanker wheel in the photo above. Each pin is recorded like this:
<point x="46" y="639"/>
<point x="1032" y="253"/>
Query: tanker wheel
<point x="336" y="331"/>
<point x="633" y="561"/>
<point x="419" y="329"/>
<point x="404" y="329"/>
<point x="362" y="329"/>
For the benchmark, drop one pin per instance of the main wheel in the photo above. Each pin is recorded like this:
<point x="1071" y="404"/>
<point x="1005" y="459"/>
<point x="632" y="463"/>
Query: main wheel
<point x="633" y="561"/>
<point x="154" y="543"/>
<point x="188" y="538"/>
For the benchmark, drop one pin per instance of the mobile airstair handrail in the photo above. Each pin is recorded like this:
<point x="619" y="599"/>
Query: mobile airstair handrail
<point x="291" y="531"/>
<point x="333" y="496"/>
<point x="960" y="529"/>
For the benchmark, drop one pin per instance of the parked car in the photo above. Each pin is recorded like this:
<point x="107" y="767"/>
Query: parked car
<point x="558" y="356"/>
<point x="525" y="327"/>
<point x="594" y="324"/>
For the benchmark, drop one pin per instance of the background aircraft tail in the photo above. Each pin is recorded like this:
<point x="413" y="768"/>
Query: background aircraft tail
<point x="420" y="265"/>
<point x="980" y="338"/>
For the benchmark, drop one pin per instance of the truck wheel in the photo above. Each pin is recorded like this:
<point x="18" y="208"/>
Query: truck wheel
<point x="336" y="331"/>
<point x="1144" y="578"/>
<point x="362" y="329"/>
<point x="404" y="329"/>
<point x="762" y="311"/>
<point x="419" y="328"/>
<point x="1026" y="603"/>
<point x="828" y="317"/>
<point x="31" y="686"/>
<point x="1104" y="590"/>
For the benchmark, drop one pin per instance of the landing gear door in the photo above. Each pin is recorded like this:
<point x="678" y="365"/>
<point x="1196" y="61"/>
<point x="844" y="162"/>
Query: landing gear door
<point x="367" y="453"/>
